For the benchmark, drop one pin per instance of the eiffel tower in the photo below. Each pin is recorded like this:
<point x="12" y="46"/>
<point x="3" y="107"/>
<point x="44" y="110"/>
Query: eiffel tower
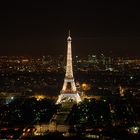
<point x="69" y="91"/>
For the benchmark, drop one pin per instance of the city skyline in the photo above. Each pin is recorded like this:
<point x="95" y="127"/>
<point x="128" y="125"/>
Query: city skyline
<point x="69" y="70"/>
<point x="40" y="28"/>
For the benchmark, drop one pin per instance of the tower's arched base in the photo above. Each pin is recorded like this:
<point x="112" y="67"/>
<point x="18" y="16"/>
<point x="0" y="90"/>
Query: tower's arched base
<point x="67" y="97"/>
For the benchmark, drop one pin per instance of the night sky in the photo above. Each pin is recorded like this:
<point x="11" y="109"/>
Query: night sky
<point x="39" y="28"/>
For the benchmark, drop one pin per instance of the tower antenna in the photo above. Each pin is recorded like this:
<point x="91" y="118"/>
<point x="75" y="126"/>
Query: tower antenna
<point x="69" y="32"/>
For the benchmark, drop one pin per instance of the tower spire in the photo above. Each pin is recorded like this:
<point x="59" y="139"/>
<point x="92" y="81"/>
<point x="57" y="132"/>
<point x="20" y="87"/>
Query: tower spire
<point x="69" y="32"/>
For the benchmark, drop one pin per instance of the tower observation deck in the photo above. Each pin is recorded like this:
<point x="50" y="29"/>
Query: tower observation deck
<point x="69" y="91"/>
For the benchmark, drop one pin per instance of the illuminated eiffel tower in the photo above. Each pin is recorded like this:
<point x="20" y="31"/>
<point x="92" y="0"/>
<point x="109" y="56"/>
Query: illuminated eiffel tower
<point x="69" y="91"/>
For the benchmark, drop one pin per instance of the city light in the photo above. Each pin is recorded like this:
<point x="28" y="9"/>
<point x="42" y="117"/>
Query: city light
<point x="85" y="86"/>
<point x="40" y="97"/>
